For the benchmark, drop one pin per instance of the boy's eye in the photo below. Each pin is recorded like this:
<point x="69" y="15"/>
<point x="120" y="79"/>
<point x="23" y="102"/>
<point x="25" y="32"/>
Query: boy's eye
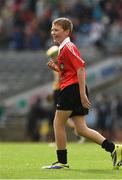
<point x="54" y="30"/>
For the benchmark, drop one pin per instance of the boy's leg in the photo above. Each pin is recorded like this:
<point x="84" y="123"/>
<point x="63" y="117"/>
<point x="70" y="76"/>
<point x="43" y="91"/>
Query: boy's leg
<point x="60" y="134"/>
<point x="83" y="130"/>
<point x="60" y="120"/>
<point x="115" y="150"/>
<point x="61" y="139"/>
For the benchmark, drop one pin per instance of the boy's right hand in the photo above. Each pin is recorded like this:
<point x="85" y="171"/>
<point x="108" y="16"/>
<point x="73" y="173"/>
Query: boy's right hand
<point x="52" y="65"/>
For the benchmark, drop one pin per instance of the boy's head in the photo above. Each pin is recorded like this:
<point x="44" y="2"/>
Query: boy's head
<point x="65" y="23"/>
<point x="61" y="28"/>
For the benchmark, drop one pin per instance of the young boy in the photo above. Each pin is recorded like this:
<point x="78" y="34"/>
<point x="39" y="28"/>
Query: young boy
<point x="73" y="98"/>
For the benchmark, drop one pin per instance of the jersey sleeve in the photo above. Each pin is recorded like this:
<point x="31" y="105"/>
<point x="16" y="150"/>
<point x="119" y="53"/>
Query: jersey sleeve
<point x="74" y="57"/>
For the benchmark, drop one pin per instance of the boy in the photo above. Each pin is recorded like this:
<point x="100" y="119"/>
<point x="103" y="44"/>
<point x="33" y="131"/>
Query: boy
<point x="73" y="98"/>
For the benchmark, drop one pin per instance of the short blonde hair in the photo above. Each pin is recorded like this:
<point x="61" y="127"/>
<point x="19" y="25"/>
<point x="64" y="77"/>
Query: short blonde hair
<point x="65" y="23"/>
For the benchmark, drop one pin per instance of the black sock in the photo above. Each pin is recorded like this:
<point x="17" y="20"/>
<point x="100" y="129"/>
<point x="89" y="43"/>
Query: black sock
<point x="108" y="145"/>
<point x="62" y="156"/>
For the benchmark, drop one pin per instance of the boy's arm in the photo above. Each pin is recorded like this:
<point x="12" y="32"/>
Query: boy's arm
<point x="82" y="88"/>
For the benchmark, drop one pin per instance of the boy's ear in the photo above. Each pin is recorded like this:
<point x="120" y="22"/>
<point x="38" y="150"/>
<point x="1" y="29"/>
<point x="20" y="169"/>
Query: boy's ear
<point x="67" y="32"/>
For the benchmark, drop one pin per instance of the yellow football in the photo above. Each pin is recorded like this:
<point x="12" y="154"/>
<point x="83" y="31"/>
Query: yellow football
<point x="52" y="51"/>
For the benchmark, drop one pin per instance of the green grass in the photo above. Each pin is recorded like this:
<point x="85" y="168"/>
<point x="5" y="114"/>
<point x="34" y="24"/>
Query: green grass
<point x="24" y="161"/>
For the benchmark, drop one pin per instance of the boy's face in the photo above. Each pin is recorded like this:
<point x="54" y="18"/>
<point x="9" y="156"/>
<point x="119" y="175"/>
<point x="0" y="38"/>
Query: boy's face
<point x="58" y="33"/>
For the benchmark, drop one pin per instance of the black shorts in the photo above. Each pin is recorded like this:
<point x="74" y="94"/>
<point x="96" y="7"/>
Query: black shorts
<point x="55" y="96"/>
<point x="69" y="99"/>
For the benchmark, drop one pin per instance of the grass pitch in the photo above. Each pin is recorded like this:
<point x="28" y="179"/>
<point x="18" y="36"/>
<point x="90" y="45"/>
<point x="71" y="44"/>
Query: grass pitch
<point x="24" y="161"/>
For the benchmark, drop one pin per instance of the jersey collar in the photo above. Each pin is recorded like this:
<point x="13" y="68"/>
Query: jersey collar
<point x="63" y="43"/>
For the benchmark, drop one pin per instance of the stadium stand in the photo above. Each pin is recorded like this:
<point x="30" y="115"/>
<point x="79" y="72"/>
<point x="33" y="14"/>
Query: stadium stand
<point x="22" y="71"/>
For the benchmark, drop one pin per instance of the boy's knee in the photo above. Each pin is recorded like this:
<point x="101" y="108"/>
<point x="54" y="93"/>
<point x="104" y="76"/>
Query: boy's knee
<point x="81" y="131"/>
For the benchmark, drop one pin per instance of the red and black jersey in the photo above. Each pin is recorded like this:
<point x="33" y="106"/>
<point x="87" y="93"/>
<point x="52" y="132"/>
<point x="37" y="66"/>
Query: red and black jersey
<point x="69" y="61"/>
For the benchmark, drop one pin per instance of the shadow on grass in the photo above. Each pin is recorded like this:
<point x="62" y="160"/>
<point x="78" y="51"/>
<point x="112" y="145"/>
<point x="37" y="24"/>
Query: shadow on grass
<point x="94" y="171"/>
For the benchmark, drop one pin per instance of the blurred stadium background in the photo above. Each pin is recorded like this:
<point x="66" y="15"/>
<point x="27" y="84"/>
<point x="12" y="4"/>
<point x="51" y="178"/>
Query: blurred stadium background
<point x="26" y="102"/>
